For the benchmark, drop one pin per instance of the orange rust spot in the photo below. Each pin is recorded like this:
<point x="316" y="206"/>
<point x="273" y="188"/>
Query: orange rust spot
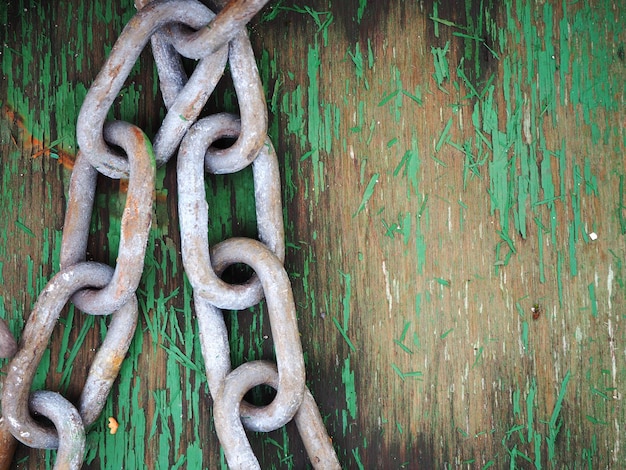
<point x="38" y="148"/>
<point x="159" y="195"/>
<point x="115" y="361"/>
<point x="29" y="143"/>
<point x="138" y="134"/>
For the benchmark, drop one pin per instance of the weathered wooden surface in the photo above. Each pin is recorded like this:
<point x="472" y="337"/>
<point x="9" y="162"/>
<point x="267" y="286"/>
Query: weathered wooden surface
<point x="444" y="170"/>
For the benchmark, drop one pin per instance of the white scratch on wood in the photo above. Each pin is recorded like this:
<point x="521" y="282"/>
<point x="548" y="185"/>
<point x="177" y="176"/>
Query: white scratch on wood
<point x="609" y="285"/>
<point x="387" y="288"/>
<point x="613" y="358"/>
<point x="466" y="299"/>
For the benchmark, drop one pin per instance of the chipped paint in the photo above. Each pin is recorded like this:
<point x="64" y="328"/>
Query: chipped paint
<point x="384" y="116"/>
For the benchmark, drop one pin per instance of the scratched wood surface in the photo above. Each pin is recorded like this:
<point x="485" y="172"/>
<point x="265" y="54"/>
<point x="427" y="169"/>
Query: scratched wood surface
<point x="453" y="181"/>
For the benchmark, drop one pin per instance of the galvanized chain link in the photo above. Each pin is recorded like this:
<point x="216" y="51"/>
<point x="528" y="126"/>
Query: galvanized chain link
<point x="189" y="29"/>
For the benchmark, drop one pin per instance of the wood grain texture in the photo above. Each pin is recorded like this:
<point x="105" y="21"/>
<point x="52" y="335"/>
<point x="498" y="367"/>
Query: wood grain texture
<point x="444" y="169"/>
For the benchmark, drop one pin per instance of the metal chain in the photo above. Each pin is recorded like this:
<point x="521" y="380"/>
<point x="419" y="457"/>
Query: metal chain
<point x="189" y="29"/>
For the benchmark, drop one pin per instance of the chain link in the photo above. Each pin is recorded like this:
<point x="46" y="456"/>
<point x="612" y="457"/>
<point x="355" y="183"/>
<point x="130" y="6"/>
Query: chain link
<point x="35" y="338"/>
<point x="175" y="28"/>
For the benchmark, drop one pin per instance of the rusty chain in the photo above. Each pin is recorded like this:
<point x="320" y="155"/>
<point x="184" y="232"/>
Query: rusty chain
<point x="176" y="29"/>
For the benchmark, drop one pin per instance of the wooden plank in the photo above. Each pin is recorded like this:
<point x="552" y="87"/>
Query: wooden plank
<point x="444" y="171"/>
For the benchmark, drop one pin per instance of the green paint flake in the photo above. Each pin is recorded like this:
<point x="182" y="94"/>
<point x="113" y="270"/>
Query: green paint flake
<point x="593" y="300"/>
<point x="315" y="120"/>
<point x="555" y="423"/>
<point x="416" y="96"/>
<point x="347" y="377"/>
<point x="594" y="420"/>
<point x="416" y="340"/>
<point x="414" y="374"/>
<point x="370" y="54"/>
<point x="19" y="224"/>
<point x="440" y="162"/>
<point x="397" y="370"/>
<point x="445" y="22"/>
<point x="418" y="305"/>
<point x="442" y="70"/>
<point x="292" y="107"/>
<point x="621" y="206"/>
<point x="394" y="98"/>
<point x="435" y="15"/>
<point x="446" y="333"/>
<point x="467" y="36"/>
<point x="344" y="334"/>
<point x="345" y="301"/>
<point x="43" y="369"/>
<point x="573" y="265"/>
<point x="530" y="404"/>
<point x="367" y="194"/>
<point x="468" y="84"/>
<point x="409" y="165"/>
<point x="601" y="394"/>
<point x="387" y="98"/>
<point x="443" y="138"/>
<point x="390" y="230"/>
<point x="402" y="346"/>
<point x="371" y="134"/>
<point x="588" y="454"/>
<point x="562" y="157"/>
<point x="404" y="331"/>
<point x="591" y="182"/>
<point x="392" y="142"/>
<point x="420" y="242"/>
<point x="525" y="334"/>
<point x="357" y="60"/>
<point x="559" y="270"/>
<point x="541" y="225"/>
<point x="70" y="355"/>
<point x="357" y="458"/>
